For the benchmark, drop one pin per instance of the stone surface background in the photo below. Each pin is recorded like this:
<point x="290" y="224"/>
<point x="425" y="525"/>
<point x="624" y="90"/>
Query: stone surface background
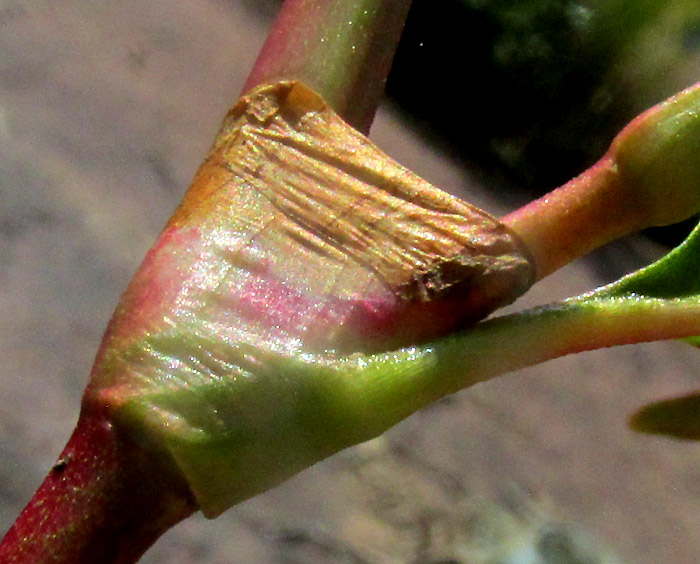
<point x="106" y="109"/>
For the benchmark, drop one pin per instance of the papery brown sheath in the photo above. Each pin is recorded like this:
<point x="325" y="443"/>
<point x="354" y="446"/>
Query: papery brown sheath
<point x="327" y="240"/>
<point x="297" y="237"/>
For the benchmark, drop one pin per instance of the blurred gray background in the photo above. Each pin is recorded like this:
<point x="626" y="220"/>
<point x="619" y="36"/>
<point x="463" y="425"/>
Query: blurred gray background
<point x="106" y="110"/>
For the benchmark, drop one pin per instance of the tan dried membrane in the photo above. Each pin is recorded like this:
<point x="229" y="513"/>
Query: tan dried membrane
<point x="336" y="217"/>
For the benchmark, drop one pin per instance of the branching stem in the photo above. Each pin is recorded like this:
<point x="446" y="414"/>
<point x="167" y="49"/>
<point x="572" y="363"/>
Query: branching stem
<point x="580" y="216"/>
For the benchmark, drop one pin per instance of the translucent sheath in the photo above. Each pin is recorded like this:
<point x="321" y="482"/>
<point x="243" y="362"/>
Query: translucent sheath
<point x="298" y="240"/>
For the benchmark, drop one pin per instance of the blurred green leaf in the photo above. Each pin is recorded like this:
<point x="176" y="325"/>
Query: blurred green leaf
<point x="674" y="277"/>
<point x="678" y="418"/>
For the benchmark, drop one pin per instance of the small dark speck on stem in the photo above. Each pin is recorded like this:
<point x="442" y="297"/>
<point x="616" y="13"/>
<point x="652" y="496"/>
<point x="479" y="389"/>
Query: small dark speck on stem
<point x="61" y="465"/>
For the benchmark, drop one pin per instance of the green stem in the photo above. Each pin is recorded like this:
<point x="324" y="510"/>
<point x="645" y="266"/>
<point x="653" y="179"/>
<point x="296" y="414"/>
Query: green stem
<point x="390" y="387"/>
<point x="342" y="49"/>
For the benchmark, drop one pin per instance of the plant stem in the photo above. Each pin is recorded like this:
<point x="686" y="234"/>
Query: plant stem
<point x="393" y="386"/>
<point x="110" y="496"/>
<point x="106" y="500"/>
<point x="580" y="216"/>
<point x="342" y="49"/>
<point x="648" y="177"/>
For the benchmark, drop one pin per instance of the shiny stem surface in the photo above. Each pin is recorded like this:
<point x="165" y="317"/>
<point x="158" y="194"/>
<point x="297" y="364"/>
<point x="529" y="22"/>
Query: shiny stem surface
<point x="107" y="499"/>
<point x="343" y="49"/>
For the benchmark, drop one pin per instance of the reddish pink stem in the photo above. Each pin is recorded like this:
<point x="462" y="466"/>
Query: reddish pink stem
<point x="106" y="500"/>
<point x="585" y="213"/>
<point x="648" y="177"/>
